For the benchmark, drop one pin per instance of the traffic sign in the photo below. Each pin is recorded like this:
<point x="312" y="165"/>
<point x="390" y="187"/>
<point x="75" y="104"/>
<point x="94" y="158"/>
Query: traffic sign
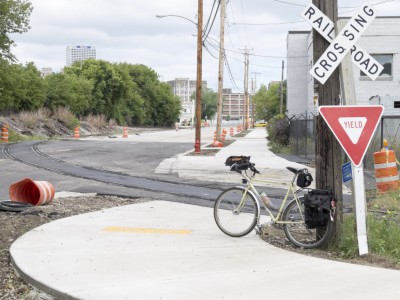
<point x="361" y="58"/>
<point x="353" y="127"/>
<point x="346" y="172"/>
<point x="342" y="44"/>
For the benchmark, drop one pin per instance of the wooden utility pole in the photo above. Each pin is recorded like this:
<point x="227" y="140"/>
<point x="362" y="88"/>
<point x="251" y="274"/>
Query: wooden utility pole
<point x="246" y="90"/>
<point x="221" y="71"/>
<point x="328" y="152"/>
<point x="199" y="73"/>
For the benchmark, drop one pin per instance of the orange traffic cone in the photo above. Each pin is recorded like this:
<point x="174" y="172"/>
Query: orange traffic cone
<point x="125" y="132"/>
<point x="33" y="192"/>
<point x="4" y="134"/>
<point x="76" y="133"/>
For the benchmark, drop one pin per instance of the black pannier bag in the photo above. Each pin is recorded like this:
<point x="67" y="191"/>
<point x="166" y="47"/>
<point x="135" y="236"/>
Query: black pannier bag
<point x="236" y="159"/>
<point x="304" y="179"/>
<point x="317" y="208"/>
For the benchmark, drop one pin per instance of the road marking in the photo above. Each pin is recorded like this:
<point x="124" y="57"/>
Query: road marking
<point x="146" y="230"/>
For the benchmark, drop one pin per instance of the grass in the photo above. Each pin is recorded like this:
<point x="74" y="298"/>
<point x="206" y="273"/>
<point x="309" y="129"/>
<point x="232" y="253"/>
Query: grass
<point x="383" y="228"/>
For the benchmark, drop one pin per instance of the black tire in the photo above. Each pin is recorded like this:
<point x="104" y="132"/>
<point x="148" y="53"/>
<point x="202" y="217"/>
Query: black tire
<point x="233" y="220"/>
<point x="12" y="206"/>
<point x="298" y="233"/>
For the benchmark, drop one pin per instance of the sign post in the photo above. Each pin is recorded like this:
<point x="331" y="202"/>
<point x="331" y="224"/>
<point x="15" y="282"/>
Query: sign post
<point x="354" y="127"/>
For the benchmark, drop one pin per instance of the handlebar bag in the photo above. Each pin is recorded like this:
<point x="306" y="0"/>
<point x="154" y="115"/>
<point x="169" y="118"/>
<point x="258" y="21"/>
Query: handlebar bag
<point x="237" y="159"/>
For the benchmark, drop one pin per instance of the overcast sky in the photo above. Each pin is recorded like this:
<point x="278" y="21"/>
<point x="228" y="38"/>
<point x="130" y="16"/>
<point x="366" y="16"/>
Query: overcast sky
<point x="128" y="31"/>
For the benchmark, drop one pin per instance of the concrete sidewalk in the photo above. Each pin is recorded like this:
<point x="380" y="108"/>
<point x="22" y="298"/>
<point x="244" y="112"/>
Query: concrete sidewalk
<point x="166" y="250"/>
<point x="212" y="168"/>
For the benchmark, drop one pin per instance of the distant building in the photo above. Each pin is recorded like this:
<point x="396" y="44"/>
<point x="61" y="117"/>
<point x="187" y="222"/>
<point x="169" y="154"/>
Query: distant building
<point x="380" y="39"/>
<point x="185" y="89"/>
<point x="46" y="71"/>
<point x="233" y="105"/>
<point x="80" y="53"/>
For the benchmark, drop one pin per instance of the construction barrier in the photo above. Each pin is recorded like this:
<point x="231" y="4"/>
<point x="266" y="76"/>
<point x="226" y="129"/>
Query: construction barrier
<point x="232" y="131"/>
<point x="76" y="133"/>
<point x="32" y="192"/>
<point x="386" y="173"/>
<point x="4" y="134"/>
<point x="223" y="135"/>
<point x="125" y="132"/>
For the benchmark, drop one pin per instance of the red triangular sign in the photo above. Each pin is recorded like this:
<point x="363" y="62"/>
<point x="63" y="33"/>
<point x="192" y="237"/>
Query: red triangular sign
<point x="353" y="127"/>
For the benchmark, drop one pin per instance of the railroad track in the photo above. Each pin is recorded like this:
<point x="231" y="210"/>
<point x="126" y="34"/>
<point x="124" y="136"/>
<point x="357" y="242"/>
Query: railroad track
<point x="29" y="153"/>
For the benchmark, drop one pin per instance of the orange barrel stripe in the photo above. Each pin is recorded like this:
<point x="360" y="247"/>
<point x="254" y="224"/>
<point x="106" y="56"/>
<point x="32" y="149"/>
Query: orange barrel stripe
<point x="4" y="134"/>
<point x="125" y="132"/>
<point x="231" y="131"/>
<point x="386" y="173"/>
<point x="33" y="192"/>
<point x="76" y="133"/>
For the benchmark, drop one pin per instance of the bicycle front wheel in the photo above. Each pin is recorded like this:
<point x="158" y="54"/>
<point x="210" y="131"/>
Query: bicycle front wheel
<point x="236" y="212"/>
<point x="298" y="232"/>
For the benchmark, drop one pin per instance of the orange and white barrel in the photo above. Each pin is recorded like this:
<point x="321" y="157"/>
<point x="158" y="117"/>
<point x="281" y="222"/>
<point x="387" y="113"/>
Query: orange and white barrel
<point x="386" y="173"/>
<point x="76" y="133"/>
<point x="125" y="132"/>
<point x="4" y="134"/>
<point x="232" y="131"/>
<point x="32" y="192"/>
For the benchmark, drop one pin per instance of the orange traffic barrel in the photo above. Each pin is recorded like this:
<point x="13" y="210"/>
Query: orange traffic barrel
<point x="4" y="134"/>
<point x="32" y="192"/>
<point x="232" y="130"/>
<point x="125" y="132"/>
<point x="386" y="173"/>
<point x="76" y="133"/>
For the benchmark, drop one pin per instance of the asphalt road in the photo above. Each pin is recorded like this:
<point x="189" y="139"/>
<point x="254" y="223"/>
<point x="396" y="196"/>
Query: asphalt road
<point x="107" y="166"/>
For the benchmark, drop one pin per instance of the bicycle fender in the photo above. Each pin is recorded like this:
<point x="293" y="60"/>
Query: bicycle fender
<point x="255" y="197"/>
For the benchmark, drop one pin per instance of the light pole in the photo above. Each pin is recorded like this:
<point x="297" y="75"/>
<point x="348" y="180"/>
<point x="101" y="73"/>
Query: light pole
<point x="199" y="26"/>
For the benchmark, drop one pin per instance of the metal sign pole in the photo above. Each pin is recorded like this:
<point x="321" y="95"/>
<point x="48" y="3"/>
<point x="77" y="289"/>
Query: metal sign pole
<point x="359" y="195"/>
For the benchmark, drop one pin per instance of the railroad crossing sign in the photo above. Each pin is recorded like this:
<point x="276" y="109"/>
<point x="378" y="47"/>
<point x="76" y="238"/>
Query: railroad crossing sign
<point x="343" y="43"/>
<point x="353" y="127"/>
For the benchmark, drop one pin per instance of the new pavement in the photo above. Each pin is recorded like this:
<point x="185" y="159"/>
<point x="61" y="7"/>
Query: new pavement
<point x="166" y="250"/>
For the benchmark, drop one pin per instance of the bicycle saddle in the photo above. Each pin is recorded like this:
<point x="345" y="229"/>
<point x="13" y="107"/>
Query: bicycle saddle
<point x="294" y="170"/>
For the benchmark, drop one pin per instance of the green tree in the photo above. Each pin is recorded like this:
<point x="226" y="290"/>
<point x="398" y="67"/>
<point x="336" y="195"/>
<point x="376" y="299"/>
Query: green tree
<point x="14" y="18"/>
<point x="68" y="90"/>
<point x="108" y="87"/>
<point x="267" y="101"/>
<point x="22" y="87"/>
<point x="33" y="93"/>
<point x="209" y="100"/>
<point x="161" y="107"/>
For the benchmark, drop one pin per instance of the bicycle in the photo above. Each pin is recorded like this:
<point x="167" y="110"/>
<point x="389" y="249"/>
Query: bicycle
<point x="237" y="210"/>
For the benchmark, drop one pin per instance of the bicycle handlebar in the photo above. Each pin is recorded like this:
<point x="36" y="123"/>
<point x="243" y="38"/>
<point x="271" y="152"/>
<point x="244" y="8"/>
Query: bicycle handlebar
<point x="243" y="167"/>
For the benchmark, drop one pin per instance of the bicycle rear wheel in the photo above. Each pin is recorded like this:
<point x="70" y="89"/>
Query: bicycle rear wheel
<point x="298" y="232"/>
<point x="233" y="216"/>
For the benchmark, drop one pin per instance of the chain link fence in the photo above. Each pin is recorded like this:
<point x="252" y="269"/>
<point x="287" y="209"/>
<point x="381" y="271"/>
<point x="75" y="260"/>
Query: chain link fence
<point x="302" y="134"/>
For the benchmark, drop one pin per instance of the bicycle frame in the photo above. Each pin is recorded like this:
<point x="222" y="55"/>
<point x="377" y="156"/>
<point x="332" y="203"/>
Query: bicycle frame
<point x="250" y="188"/>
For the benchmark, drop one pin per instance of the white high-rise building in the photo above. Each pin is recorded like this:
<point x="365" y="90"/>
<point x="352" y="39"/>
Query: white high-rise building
<point x="80" y="53"/>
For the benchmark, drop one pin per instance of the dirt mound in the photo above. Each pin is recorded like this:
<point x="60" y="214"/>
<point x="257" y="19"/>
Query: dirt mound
<point x="51" y="128"/>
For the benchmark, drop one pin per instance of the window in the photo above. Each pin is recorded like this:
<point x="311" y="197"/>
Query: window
<point x="386" y="60"/>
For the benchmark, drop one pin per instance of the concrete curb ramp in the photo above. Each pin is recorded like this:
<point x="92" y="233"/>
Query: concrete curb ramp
<point x="166" y="250"/>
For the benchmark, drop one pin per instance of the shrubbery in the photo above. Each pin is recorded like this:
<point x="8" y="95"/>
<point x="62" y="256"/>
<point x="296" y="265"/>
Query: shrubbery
<point x="278" y="130"/>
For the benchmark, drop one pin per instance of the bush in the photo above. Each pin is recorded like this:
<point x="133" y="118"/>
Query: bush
<point x="278" y="130"/>
<point x="97" y="121"/>
<point x="65" y="116"/>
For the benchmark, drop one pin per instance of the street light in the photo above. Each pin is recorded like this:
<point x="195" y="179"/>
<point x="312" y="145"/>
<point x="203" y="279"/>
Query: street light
<point x="199" y="26"/>
<point x="164" y="16"/>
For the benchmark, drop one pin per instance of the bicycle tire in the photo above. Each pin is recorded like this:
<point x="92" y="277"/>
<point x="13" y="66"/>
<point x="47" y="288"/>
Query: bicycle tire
<point x="298" y="233"/>
<point x="232" y="220"/>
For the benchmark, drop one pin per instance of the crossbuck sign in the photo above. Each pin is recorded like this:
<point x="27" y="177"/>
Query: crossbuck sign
<point x="343" y="43"/>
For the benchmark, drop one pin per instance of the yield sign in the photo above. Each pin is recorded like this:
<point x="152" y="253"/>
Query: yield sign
<point x="353" y="127"/>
